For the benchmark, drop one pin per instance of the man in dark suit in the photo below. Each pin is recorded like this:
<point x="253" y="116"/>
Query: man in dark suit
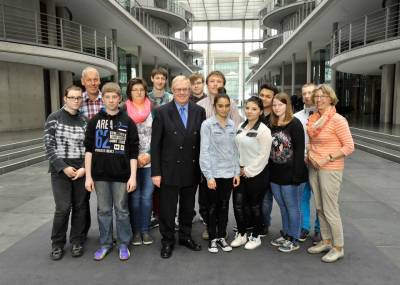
<point x="175" y="148"/>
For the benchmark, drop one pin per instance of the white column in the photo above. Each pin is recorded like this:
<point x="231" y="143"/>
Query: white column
<point x="293" y="73"/>
<point x="140" y="62"/>
<point x="309" y="62"/>
<point x="396" y="96"/>
<point x="388" y="71"/>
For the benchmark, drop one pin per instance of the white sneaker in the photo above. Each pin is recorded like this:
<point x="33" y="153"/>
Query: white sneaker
<point x="224" y="245"/>
<point x="278" y="241"/>
<point x="212" y="246"/>
<point x="333" y="255"/>
<point x="253" y="242"/>
<point x="239" y="240"/>
<point x="319" y="247"/>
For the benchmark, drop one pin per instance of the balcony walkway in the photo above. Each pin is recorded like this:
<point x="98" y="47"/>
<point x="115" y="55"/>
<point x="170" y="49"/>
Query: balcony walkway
<point x="370" y="207"/>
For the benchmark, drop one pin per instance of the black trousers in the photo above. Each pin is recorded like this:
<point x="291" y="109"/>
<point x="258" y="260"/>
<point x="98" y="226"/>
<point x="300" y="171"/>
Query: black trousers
<point x="169" y="196"/>
<point x="88" y="217"/>
<point x="203" y="199"/>
<point x="69" y="195"/>
<point x="250" y="193"/>
<point x="218" y="207"/>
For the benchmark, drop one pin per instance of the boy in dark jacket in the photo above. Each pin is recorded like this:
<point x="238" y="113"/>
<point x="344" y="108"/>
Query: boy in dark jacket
<point x="111" y="161"/>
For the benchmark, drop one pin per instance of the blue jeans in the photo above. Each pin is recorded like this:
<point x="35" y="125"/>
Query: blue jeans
<point x="111" y="194"/>
<point x="267" y="207"/>
<point x="305" y="209"/>
<point x="141" y="201"/>
<point x="288" y="198"/>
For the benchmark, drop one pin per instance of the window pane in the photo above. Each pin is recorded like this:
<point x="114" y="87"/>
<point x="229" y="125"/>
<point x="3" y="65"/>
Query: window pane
<point x="226" y="30"/>
<point x="199" y="31"/>
<point x="252" y="30"/>
<point x="228" y="59"/>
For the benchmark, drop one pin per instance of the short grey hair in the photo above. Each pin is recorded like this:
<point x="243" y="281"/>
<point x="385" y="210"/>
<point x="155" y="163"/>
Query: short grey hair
<point x="180" y="78"/>
<point x="88" y="69"/>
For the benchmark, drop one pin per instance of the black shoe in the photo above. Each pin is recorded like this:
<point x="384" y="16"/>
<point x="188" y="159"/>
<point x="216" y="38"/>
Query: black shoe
<point x="56" y="253"/>
<point x="76" y="250"/>
<point x="303" y="235"/>
<point x="190" y="244"/>
<point x="166" y="250"/>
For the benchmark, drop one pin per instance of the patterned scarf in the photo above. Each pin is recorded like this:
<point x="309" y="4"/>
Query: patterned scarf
<point x="316" y="122"/>
<point x="138" y="115"/>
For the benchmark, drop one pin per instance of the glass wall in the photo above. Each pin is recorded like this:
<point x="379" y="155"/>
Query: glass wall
<point x="224" y="48"/>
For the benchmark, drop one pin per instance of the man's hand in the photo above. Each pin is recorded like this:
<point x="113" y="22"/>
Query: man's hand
<point x="131" y="184"/>
<point x="156" y="181"/>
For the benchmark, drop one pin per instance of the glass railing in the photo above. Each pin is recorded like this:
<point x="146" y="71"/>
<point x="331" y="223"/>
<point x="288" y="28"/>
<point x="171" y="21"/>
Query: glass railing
<point x="34" y="28"/>
<point x="376" y="27"/>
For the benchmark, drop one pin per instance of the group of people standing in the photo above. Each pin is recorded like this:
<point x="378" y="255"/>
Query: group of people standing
<point x="152" y="152"/>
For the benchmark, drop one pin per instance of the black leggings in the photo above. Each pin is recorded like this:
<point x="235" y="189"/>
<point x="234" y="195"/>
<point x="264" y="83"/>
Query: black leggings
<point x="250" y="192"/>
<point x="218" y="207"/>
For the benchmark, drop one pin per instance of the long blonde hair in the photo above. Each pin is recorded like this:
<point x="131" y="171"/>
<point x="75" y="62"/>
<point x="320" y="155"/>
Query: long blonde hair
<point x="285" y="99"/>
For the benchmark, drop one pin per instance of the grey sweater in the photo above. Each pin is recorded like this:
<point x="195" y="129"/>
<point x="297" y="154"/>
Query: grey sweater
<point x="64" y="135"/>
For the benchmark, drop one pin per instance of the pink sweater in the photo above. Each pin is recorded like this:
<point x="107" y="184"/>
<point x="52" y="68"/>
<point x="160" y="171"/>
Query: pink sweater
<point x="334" y="136"/>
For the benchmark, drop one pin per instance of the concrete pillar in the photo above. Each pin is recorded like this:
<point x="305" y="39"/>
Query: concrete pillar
<point x="388" y="71"/>
<point x="333" y="70"/>
<point x="396" y="96"/>
<point x="269" y="77"/>
<point x="140" y="62"/>
<point x="114" y="48"/>
<point x="373" y="95"/>
<point x="283" y="77"/>
<point x="155" y="61"/>
<point x="309" y="62"/>
<point x="56" y="97"/>
<point x="293" y="73"/>
<point x="333" y="78"/>
<point x="65" y="79"/>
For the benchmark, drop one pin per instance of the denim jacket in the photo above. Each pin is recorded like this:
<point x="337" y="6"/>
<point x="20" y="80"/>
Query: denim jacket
<point x="219" y="156"/>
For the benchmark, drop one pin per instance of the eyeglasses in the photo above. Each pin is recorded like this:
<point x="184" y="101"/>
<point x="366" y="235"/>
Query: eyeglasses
<point x="320" y="96"/>
<point x="138" y="90"/>
<point x="180" y="90"/>
<point x="78" y="98"/>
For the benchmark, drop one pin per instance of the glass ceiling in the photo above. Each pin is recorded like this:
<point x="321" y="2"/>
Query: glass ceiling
<point x="223" y="9"/>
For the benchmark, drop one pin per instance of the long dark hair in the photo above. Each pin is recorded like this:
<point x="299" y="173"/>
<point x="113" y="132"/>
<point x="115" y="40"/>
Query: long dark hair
<point x="221" y="94"/>
<point x="258" y="102"/>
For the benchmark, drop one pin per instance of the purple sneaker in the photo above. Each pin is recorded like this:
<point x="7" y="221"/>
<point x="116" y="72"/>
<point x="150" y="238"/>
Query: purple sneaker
<point x="101" y="253"/>
<point x="124" y="253"/>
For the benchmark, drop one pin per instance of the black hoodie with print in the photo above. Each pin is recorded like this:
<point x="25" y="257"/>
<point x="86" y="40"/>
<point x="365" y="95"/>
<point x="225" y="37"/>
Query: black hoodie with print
<point x="113" y="141"/>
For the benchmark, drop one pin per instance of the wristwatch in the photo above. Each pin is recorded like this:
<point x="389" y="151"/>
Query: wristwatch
<point x="331" y="158"/>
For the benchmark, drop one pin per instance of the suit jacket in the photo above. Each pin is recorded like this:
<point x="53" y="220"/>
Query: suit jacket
<point x="175" y="149"/>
